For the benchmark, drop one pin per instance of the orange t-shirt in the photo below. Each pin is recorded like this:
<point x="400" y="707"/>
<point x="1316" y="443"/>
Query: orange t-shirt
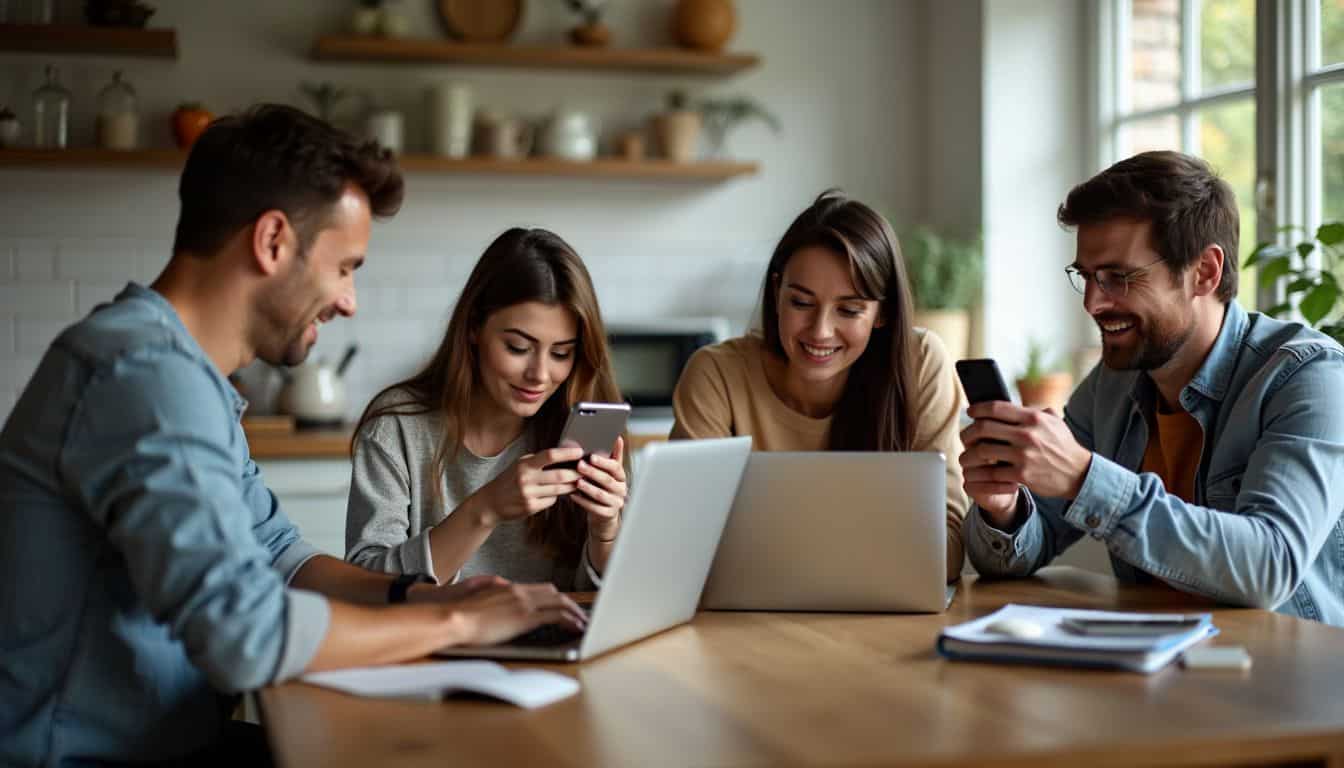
<point x="1173" y="452"/>
<point x="1174" y="445"/>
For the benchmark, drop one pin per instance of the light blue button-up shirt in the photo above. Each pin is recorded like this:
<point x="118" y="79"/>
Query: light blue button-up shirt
<point x="1265" y="528"/>
<point x="143" y="563"/>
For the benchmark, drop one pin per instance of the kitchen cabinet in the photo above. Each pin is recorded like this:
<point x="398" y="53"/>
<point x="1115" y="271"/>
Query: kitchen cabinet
<point x="313" y="493"/>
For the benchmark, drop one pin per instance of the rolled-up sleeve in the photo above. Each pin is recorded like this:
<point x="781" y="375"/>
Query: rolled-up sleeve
<point x="378" y="516"/>
<point x="150" y="452"/>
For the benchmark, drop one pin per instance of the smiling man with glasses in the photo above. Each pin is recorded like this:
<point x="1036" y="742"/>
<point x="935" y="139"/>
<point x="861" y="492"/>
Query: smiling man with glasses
<point x="1207" y="448"/>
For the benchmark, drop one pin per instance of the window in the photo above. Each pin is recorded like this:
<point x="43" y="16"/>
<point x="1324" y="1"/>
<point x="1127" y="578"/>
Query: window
<point x="1184" y="74"/>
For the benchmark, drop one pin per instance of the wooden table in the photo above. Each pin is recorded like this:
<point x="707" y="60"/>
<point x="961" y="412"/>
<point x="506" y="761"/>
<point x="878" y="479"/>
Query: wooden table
<point x="846" y="689"/>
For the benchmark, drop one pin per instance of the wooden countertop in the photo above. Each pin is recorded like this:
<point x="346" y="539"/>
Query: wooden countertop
<point x="301" y="444"/>
<point x="335" y="444"/>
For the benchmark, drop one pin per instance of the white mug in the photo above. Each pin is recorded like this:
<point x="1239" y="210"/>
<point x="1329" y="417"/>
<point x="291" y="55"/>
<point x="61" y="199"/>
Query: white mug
<point x="450" y="109"/>
<point x="385" y="126"/>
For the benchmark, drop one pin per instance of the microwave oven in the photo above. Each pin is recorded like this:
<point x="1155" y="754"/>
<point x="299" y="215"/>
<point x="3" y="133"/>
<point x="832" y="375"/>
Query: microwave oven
<point x="648" y="355"/>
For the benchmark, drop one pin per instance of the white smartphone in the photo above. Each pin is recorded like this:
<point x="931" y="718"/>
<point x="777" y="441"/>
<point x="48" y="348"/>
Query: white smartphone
<point x="594" y="427"/>
<point x="1143" y="627"/>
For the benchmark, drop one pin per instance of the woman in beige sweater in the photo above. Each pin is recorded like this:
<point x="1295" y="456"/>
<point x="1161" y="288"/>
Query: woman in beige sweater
<point x="837" y="364"/>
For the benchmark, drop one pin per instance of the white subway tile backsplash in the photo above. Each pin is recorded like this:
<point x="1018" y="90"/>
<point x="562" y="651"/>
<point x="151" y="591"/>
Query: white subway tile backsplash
<point x="35" y="334"/>
<point x="7" y="340"/>
<point x="21" y="371"/>
<point x="45" y="298"/>
<point x="104" y="259"/>
<point x="90" y="295"/>
<point x="34" y="260"/>
<point x="379" y="298"/>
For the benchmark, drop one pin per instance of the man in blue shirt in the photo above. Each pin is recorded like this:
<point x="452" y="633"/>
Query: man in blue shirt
<point x="145" y="569"/>
<point x="1207" y="449"/>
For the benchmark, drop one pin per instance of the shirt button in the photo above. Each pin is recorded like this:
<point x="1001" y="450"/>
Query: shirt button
<point x="998" y="545"/>
<point x="1092" y="521"/>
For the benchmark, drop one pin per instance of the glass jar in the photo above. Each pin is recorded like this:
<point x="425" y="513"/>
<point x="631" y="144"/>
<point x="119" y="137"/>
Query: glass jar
<point x="51" y="113"/>
<point x="118" y="117"/>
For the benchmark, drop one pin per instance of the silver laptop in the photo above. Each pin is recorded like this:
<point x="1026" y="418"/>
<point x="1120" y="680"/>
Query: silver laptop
<point x="680" y="497"/>
<point x="835" y="531"/>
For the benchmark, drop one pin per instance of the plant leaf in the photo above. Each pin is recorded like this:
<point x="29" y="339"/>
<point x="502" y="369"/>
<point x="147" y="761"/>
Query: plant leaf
<point x="1278" y="309"/>
<point x="1262" y="252"/>
<point x="1330" y="233"/>
<point x="1273" y="269"/>
<point x="1300" y="284"/>
<point x="1305" y="249"/>
<point x="1318" y="302"/>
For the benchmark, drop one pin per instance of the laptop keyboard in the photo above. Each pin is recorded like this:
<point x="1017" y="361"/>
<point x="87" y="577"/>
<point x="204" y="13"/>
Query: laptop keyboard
<point x="547" y="635"/>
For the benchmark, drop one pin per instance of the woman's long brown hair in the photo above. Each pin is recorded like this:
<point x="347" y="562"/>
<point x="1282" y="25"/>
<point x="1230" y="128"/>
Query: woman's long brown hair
<point x="521" y="265"/>
<point x="876" y="410"/>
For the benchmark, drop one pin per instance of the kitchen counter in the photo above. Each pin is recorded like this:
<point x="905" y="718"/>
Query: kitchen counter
<point x="335" y="443"/>
<point x="301" y="444"/>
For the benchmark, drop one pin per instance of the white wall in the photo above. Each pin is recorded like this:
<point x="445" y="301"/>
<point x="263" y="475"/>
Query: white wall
<point x="845" y="78"/>
<point x="1036" y="123"/>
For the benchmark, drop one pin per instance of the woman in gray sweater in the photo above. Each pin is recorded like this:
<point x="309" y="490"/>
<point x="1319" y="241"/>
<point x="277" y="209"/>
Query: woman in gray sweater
<point x="450" y="476"/>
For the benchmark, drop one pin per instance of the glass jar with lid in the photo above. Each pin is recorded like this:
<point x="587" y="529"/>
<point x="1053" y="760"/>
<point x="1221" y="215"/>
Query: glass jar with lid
<point x="118" y="115"/>
<point x="51" y="113"/>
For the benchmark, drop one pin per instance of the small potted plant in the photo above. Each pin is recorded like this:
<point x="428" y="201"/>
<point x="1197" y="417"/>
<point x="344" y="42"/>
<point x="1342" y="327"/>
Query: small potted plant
<point x="364" y="19"/>
<point x="723" y="115"/>
<point x="592" y="32"/>
<point x="678" y="129"/>
<point x="944" y="273"/>
<point x="1042" y="384"/>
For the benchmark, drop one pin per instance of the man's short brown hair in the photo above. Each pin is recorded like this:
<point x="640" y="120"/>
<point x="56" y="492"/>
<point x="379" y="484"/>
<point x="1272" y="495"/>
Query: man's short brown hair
<point x="274" y="157"/>
<point x="1189" y="206"/>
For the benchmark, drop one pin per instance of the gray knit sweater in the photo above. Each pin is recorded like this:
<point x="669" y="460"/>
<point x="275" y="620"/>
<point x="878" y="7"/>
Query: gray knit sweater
<point x="392" y="507"/>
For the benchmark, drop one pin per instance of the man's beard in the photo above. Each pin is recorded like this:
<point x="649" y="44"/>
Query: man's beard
<point x="1154" y="350"/>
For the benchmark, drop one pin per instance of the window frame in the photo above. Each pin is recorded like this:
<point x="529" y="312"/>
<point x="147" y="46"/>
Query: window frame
<point x="1286" y="91"/>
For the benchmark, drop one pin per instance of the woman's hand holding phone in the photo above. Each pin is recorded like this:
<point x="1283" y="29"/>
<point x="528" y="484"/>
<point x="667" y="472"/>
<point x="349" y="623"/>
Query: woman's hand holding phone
<point x="528" y="487"/>
<point x="602" y="490"/>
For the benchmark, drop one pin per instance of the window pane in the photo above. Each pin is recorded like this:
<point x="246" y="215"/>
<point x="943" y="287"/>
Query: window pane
<point x="1332" y="31"/>
<point x="1332" y="153"/>
<point x="1227" y="142"/>
<point x="1154" y="133"/>
<point x="1226" y="43"/>
<point x="1154" y="54"/>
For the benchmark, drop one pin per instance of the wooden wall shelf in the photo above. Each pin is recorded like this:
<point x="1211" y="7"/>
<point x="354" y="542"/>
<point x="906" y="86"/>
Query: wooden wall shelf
<point x="409" y="51"/>
<point x="81" y="39"/>
<point x="604" y="168"/>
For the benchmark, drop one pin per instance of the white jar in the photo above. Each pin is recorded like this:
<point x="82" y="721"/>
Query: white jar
<point x="450" y="112"/>
<point x="386" y="127"/>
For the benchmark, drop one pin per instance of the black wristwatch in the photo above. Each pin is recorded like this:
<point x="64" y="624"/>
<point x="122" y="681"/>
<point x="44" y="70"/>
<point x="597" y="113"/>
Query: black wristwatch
<point x="396" y="592"/>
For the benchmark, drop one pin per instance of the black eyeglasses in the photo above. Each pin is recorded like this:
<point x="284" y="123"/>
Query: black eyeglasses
<point x="1112" y="282"/>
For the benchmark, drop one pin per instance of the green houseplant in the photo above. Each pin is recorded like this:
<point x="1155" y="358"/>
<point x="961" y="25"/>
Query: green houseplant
<point x="1044" y="383"/>
<point x="945" y="274"/>
<point x="1314" y="291"/>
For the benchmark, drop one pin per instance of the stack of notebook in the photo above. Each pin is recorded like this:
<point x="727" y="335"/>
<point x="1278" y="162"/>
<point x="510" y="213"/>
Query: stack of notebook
<point x="1140" y="642"/>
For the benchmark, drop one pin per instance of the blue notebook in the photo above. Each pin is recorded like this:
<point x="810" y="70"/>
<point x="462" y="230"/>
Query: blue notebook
<point x="977" y="641"/>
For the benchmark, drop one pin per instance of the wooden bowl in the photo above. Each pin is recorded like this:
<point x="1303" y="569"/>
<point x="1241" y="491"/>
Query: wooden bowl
<point x="481" y="21"/>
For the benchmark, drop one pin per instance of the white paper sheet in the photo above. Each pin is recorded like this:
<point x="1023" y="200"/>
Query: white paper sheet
<point x="524" y="688"/>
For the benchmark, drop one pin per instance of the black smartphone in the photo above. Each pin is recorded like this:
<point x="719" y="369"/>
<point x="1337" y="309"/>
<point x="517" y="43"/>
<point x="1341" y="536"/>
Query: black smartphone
<point x="982" y="381"/>
<point x="595" y="427"/>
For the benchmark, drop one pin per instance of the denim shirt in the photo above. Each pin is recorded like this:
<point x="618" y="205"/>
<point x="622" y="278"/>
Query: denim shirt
<point x="1264" y="529"/>
<point x="143" y="564"/>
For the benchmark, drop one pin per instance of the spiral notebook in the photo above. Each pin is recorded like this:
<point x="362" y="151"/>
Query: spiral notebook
<point x="975" y="641"/>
